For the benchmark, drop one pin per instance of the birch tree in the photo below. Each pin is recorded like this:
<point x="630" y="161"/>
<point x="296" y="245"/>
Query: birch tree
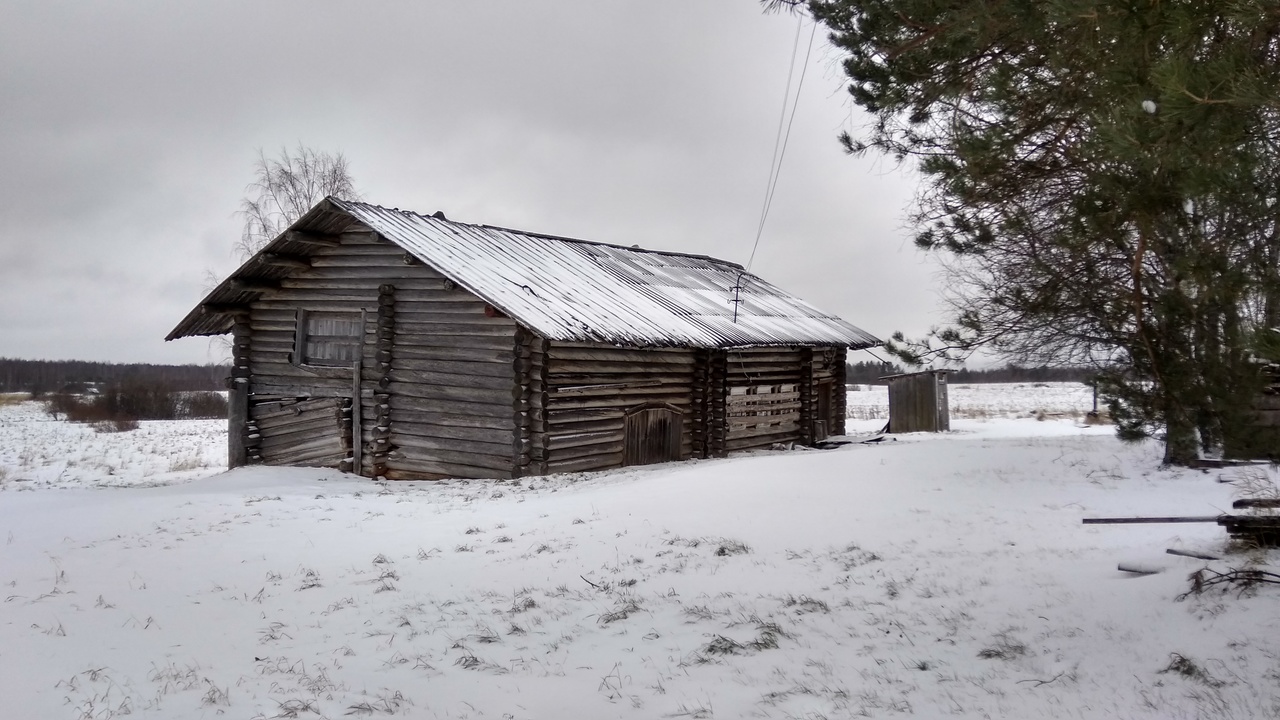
<point x="285" y="187"/>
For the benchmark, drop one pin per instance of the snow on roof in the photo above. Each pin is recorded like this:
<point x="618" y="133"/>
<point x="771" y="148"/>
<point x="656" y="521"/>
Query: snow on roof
<point x="579" y="291"/>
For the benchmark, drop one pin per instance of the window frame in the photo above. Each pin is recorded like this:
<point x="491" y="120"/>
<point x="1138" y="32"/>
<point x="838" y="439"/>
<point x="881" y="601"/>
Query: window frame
<point x="302" y="337"/>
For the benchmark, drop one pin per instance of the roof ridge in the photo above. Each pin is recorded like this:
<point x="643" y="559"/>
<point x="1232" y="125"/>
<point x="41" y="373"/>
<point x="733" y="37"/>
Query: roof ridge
<point x="547" y="236"/>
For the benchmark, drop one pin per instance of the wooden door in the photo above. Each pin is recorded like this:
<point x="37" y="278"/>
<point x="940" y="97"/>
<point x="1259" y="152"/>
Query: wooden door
<point x="652" y="435"/>
<point x="822" y="420"/>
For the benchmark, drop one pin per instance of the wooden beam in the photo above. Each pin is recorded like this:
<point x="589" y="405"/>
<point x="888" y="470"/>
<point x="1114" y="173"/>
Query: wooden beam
<point x="606" y="386"/>
<point x="238" y="405"/>
<point x="1256" y="503"/>
<point x="251" y="285"/>
<point x="1136" y="520"/>
<point x="295" y="262"/>
<point x="313" y="239"/>
<point x="224" y="309"/>
<point x="1192" y="554"/>
<point x="357" y="442"/>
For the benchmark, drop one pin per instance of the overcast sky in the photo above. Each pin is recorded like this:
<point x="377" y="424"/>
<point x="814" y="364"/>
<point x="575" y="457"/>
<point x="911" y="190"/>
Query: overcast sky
<point x="128" y="133"/>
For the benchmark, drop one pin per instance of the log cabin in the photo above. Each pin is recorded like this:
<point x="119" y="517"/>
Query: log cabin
<point x="404" y="346"/>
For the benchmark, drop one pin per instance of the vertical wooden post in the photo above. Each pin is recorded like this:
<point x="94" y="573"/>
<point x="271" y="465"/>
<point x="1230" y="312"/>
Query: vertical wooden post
<point x="808" y="408"/>
<point x="238" y="397"/>
<point x="538" y="400"/>
<point x="718" y="416"/>
<point x="700" y="416"/>
<point x="357" y="446"/>
<point x="524" y="401"/>
<point x="299" y="337"/>
<point x="839" y="403"/>
<point x="942" y="405"/>
<point x="384" y="345"/>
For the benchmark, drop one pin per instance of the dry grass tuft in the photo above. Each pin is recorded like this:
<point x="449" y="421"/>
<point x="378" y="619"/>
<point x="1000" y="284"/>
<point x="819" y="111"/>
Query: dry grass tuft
<point x="622" y="612"/>
<point x="1184" y="666"/>
<point x="1006" y="647"/>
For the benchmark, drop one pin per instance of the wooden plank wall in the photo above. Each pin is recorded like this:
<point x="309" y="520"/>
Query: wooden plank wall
<point x="589" y="389"/>
<point x="917" y="403"/>
<point x="313" y="433"/>
<point x="763" y="402"/>
<point x="772" y="394"/>
<point x="446" y="383"/>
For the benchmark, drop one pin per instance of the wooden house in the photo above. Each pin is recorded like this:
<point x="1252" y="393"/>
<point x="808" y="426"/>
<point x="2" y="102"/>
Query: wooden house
<point x="403" y="346"/>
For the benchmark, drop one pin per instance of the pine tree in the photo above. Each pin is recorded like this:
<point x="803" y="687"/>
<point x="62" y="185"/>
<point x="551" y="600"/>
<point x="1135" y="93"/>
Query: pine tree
<point x="1102" y="179"/>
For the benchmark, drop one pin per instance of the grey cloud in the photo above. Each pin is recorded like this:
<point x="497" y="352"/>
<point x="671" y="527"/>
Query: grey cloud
<point x="128" y="130"/>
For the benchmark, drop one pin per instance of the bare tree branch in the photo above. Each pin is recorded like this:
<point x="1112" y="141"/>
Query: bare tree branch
<point x="287" y="186"/>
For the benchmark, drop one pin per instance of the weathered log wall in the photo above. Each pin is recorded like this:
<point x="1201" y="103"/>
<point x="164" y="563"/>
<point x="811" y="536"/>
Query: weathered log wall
<point x="448" y="384"/>
<point x="436" y="380"/>
<point x="449" y="387"/>
<point x="589" y="389"/>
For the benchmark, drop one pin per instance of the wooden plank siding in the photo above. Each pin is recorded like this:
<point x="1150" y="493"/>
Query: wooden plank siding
<point x="918" y="402"/>
<point x="590" y="389"/>
<point x="448" y="367"/>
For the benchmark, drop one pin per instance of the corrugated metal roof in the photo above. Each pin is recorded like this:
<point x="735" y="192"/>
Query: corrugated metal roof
<point x="581" y="291"/>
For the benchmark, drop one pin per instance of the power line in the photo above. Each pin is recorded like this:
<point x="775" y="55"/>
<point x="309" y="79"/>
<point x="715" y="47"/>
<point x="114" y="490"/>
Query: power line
<point x="783" y="138"/>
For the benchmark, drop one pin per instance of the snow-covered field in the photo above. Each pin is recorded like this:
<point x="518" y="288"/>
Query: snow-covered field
<point x="927" y="575"/>
<point x="995" y="400"/>
<point x="38" y="452"/>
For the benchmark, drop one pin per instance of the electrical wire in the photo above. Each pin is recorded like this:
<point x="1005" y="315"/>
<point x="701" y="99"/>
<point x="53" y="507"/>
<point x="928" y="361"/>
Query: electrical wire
<point x="782" y="138"/>
<point x="780" y="142"/>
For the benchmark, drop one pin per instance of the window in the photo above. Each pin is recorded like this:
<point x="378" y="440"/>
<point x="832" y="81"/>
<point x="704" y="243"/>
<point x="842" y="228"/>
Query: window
<point x="328" y="338"/>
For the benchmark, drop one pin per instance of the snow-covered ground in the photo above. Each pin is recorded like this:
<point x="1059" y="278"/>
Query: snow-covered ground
<point x="927" y="575"/>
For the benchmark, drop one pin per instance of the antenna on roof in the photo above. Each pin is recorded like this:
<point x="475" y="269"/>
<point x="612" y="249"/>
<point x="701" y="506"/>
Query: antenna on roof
<point x="737" y="299"/>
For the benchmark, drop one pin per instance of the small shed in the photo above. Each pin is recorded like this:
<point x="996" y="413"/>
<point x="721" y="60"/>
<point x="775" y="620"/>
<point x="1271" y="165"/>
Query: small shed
<point x="1260" y="440"/>
<point x="407" y="346"/>
<point x="918" y="402"/>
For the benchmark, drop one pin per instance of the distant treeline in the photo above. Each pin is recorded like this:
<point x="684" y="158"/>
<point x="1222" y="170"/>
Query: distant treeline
<point x="40" y="377"/>
<point x="869" y="373"/>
